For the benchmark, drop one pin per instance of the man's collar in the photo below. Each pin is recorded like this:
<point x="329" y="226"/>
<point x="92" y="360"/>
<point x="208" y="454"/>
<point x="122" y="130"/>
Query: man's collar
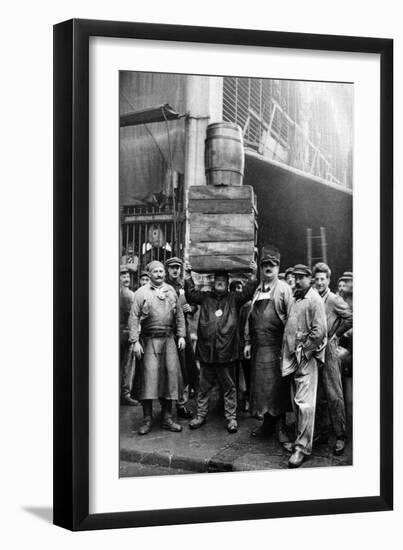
<point x="162" y="286"/>
<point x="271" y="286"/>
<point x="324" y="295"/>
<point x="300" y="294"/>
<point x="174" y="283"/>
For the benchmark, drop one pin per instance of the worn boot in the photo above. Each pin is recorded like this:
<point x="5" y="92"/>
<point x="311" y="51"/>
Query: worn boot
<point x="267" y="428"/>
<point x="127" y="400"/>
<point x="282" y="436"/>
<point x="296" y="459"/>
<point x="338" y="449"/>
<point x="146" y="426"/>
<point x="167" y="422"/>
<point x="232" y="426"/>
<point x="197" y="422"/>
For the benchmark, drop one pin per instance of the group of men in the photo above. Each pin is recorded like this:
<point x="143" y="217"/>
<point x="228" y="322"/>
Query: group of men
<point x="288" y="329"/>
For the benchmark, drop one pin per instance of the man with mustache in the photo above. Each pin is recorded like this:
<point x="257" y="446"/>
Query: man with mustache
<point x="156" y="308"/>
<point x="218" y="341"/>
<point x="339" y="320"/>
<point x="304" y="346"/>
<point x="269" y="391"/>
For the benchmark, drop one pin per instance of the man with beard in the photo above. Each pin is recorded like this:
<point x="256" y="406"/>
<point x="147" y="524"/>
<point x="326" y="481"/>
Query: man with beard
<point x="218" y="341"/>
<point x="339" y="319"/>
<point x="156" y="307"/>
<point x="127" y="364"/>
<point x="304" y="346"/>
<point x="269" y="391"/>
<point x="187" y="358"/>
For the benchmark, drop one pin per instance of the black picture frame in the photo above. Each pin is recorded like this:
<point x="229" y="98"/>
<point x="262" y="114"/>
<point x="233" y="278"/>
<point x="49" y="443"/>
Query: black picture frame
<point x="71" y="274"/>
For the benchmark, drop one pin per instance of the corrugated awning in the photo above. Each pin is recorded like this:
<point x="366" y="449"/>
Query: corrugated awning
<point x="160" y="113"/>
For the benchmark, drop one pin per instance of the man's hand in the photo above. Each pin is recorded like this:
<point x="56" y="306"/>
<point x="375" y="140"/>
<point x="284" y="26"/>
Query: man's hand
<point x="187" y="308"/>
<point x="138" y="350"/>
<point x="247" y="351"/>
<point x="253" y="268"/>
<point x="298" y="353"/>
<point x="187" y="268"/>
<point x="181" y="343"/>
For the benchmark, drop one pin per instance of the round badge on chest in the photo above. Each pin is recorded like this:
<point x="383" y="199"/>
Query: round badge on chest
<point x="218" y="313"/>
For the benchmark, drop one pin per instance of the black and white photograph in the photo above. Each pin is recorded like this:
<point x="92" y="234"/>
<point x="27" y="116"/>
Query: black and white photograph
<point x="235" y="274"/>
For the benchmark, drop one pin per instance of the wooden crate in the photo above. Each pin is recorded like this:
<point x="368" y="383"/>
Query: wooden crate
<point x="222" y="227"/>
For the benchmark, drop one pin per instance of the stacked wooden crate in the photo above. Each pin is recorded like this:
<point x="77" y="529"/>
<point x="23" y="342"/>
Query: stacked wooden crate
<point x="223" y="227"/>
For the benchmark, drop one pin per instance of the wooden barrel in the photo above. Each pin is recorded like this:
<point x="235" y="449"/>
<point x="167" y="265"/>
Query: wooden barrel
<point x="224" y="155"/>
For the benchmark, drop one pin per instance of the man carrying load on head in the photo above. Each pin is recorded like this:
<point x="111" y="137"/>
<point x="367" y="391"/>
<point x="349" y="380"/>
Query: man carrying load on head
<point x="218" y="341"/>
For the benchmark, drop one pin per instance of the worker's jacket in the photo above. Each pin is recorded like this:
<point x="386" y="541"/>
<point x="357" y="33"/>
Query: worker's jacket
<point x="217" y="333"/>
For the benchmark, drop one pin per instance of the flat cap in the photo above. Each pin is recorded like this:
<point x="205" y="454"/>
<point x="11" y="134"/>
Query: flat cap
<point x="270" y="254"/>
<point x="173" y="261"/>
<point x="347" y="276"/>
<point x="301" y="269"/>
<point x="289" y="271"/>
<point x="123" y="269"/>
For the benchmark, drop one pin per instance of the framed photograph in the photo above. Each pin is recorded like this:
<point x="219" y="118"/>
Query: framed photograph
<point x="215" y="193"/>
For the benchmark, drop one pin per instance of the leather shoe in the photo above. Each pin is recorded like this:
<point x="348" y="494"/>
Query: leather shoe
<point x="287" y="446"/>
<point x="261" y="431"/>
<point x="127" y="400"/>
<point x="197" y="422"/>
<point x="296" y="459"/>
<point x="338" y="449"/>
<point x="169" y="424"/>
<point x="232" y="426"/>
<point x="145" y="427"/>
<point x="183" y="412"/>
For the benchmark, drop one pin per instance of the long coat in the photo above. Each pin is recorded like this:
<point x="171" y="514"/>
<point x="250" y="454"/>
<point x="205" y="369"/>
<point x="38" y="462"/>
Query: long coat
<point x="306" y="325"/>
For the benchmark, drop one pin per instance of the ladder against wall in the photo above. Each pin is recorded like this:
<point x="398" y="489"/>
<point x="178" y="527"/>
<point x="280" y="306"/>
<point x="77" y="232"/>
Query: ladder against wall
<point x="316" y="247"/>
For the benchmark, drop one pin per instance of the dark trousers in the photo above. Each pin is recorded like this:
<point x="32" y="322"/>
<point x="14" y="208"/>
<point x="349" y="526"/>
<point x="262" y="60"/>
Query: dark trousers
<point x="330" y="395"/>
<point x="225" y="374"/>
<point x="127" y="365"/>
<point x="190" y="372"/>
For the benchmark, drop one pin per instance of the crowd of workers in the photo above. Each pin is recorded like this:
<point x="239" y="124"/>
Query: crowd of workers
<point x="278" y="343"/>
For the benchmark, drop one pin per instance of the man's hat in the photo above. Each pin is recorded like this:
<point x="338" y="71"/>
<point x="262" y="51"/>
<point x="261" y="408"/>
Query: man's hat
<point x="347" y="276"/>
<point x="173" y="261"/>
<point x="270" y="254"/>
<point x="221" y="273"/>
<point x="144" y="274"/>
<point x="123" y="269"/>
<point x="301" y="269"/>
<point x="289" y="271"/>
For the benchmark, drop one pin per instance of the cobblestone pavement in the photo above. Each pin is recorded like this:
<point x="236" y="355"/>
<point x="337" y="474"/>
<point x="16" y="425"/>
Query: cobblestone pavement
<point x="210" y="448"/>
